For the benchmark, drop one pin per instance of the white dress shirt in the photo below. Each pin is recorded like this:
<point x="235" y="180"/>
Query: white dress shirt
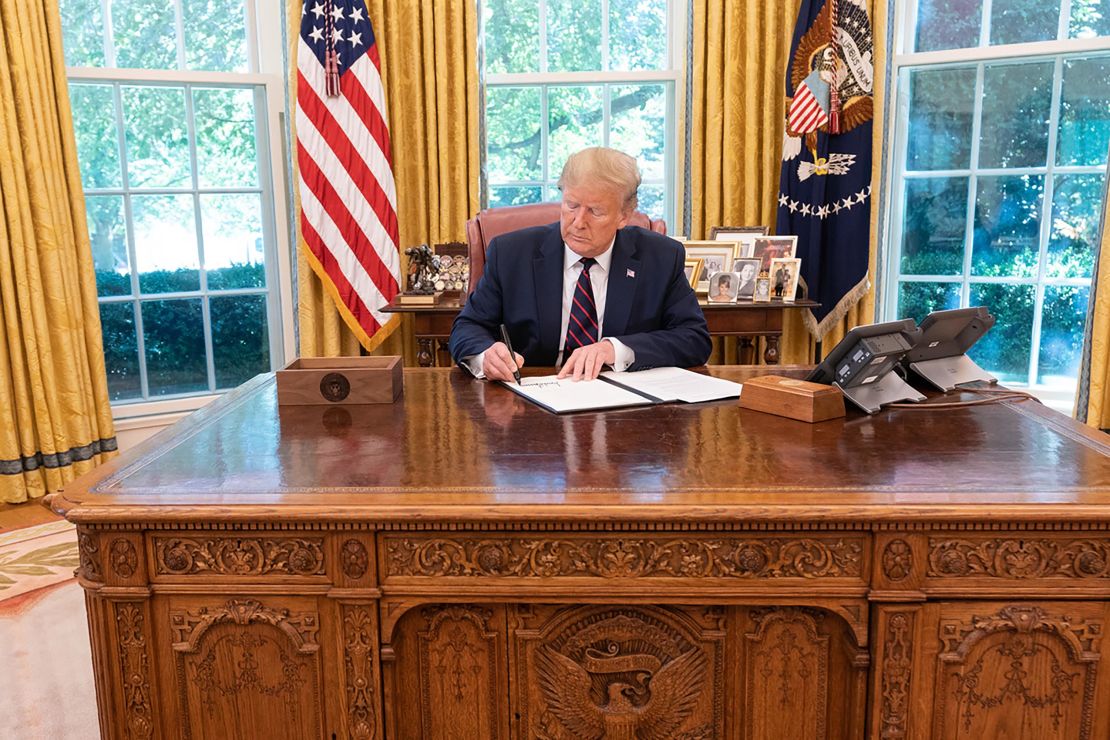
<point x="599" y="280"/>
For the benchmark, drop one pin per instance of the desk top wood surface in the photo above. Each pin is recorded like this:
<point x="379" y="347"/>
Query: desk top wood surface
<point x="455" y="450"/>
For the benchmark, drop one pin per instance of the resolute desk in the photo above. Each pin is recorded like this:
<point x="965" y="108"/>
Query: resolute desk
<point x="462" y="564"/>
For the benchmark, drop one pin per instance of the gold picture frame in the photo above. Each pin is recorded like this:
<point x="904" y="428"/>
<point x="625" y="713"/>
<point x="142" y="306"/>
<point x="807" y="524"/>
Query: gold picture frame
<point x="716" y="256"/>
<point x="693" y="271"/>
<point x="721" y="233"/>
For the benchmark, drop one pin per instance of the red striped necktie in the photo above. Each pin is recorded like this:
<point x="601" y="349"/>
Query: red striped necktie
<point x="582" y="326"/>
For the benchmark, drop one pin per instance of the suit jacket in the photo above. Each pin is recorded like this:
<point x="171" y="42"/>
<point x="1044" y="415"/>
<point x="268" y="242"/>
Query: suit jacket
<point x="649" y="305"/>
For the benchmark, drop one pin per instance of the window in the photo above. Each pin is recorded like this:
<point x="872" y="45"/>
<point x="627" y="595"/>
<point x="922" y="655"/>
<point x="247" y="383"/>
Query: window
<point x="561" y="75"/>
<point x="1001" y="132"/>
<point x="173" y="137"/>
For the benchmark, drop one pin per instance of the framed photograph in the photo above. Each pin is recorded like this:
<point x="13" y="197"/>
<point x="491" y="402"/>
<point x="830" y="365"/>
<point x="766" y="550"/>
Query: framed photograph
<point x="762" y="290"/>
<point x="715" y="257"/>
<point x="693" y="271"/>
<point x="744" y="243"/>
<point x="784" y="277"/>
<point x="722" y="287"/>
<point x="748" y="271"/>
<point x="727" y="233"/>
<point x="768" y="248"/>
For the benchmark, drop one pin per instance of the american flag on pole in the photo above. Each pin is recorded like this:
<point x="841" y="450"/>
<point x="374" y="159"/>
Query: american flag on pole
<point x="348" y="201"/>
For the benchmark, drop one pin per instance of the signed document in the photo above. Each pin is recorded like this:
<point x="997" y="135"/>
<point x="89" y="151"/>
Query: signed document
<point x="617" y="390"/>
<point x="565" y="395"/>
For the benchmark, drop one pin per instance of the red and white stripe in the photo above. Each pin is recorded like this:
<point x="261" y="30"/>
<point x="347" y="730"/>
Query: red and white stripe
<point x="805" y="112"/>
<point x="348" y="196"/>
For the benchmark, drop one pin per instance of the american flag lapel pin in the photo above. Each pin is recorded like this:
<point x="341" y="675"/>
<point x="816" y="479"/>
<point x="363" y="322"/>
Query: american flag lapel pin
<point x="630" y="273"/>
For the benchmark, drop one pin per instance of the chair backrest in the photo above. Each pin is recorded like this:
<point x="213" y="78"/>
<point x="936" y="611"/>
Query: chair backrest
<point x="493" y="222"/>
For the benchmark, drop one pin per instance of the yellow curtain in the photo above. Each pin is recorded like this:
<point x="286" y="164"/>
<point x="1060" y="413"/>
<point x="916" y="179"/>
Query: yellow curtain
<point x="55" y="420"/>
<point x="1098" y="397"/>
<point x="429" y="65"/>
<point x="741" y="51"/>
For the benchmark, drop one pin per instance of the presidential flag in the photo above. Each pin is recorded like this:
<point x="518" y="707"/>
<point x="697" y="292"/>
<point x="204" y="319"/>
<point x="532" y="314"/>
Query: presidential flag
<point x="348" y="201"/>
<point x="825" y="187"/>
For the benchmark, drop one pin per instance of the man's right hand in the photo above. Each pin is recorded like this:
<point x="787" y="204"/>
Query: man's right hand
<point x="497" y="363"/>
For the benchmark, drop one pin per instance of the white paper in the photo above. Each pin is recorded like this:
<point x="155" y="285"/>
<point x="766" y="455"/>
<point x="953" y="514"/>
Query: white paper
<point x="676" y="384"/>
<point x="570" y="395"/>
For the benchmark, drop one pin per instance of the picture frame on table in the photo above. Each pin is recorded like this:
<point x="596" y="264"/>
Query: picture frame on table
<point x="768" y="248"/>
<point x="747" y="271"/>
<point x="762" y="289"/>
<point x="722" y="233"/>
<point x="716" y="256"/>
<point x="743" y="236"/>
<point x="693" y="271"/>
<point x="722" y="287"/>
<point x="784" y="274"/>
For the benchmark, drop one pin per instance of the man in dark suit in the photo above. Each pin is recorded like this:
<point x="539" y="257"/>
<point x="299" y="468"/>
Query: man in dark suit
<point x="587" y="292"/>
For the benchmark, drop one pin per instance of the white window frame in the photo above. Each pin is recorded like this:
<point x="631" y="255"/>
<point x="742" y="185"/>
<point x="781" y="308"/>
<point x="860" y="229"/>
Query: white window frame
<point x="895" y="175"/>
<point x="672" y="79"/>
<point x="266" y="75"/>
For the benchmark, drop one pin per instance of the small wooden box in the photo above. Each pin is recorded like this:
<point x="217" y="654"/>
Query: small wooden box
<point x="340" y="380"/>
<point x="794" y="399"/>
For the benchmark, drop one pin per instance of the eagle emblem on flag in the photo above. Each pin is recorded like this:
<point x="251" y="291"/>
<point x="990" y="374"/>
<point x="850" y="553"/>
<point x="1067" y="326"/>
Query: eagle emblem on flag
<point x="833" y="74"/>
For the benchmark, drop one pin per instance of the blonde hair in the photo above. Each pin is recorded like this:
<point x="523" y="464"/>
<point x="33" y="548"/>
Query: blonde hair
<point x="608" y="166"/>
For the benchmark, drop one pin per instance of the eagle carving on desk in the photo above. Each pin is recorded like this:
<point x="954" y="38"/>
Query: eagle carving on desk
<point x="645" y="702"/>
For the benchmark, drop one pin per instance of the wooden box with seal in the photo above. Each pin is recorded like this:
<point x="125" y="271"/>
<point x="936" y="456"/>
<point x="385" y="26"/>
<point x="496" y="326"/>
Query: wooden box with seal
<point x="794" y="399"/>
<point x="340" y="380"/>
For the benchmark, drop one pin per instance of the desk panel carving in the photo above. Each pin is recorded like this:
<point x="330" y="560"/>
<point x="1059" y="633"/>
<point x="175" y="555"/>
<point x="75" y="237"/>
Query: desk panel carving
<point x="88" y="553"/>
<point x="626" y="557"/>
<point x="360" y="639"/>
<point x="619" y="673"/>
<point x="244" y="662"/>
<point x="897" y="674"/>
<point x="238" y="556"/>
<point x="132" y="632"/>
<point x="1019" y="558"/>
<point x="1023" y="671"/>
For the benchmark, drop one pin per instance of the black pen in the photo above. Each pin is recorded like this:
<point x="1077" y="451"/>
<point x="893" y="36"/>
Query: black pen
<point x="512" y="355"/>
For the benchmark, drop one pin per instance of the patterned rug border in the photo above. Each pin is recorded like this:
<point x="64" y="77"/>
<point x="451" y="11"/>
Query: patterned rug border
<point x="36" y="557"/>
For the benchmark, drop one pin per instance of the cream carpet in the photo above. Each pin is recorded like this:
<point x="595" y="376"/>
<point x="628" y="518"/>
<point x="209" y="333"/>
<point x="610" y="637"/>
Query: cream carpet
<point x="45" y="666"/>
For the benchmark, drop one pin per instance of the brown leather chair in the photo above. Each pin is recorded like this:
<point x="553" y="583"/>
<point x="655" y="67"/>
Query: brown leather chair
<point x="492" y="222"/>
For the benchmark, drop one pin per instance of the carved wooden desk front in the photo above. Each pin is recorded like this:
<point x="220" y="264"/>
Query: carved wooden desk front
<point x="462" y="564"/>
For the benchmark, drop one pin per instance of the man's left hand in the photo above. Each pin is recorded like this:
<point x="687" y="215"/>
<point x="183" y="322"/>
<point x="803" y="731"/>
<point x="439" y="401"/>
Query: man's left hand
<point x="586" y="362"/>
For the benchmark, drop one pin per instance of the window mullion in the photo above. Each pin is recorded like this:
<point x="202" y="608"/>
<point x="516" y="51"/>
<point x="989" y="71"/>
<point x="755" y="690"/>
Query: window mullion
<point x="545" y="120"/>
<point x="605" y="35"/>
<point x="897" y="194"/>
<point x="904" y="22"/>
<point x="198" y="225"/>
<point x="543" y="36"/>
<point x="129" y="229"/>
<point x="109" y="46"/>
<point x="254" y="56"/>
<point x="985" y="25"/>
<point x="972" y="182"/>
<point x="179" y="23"/>
<point x="1046" y="219"/>
<point x="1065" y="18"/>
